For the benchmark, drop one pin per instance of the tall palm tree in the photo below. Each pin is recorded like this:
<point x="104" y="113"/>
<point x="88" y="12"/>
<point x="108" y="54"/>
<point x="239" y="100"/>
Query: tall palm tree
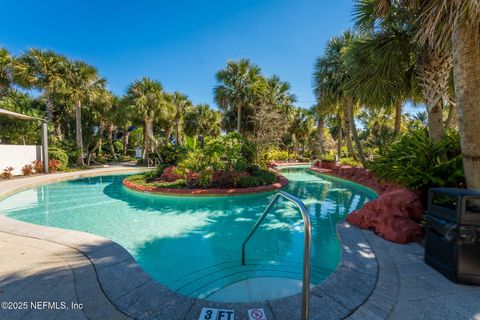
<point x="146" y="97"/>
<point x="202" y="120"/>
<point x="83" y="83"/>
<point x="101" y="109"/>
<point x="237" y="85"/>
<point x="44" y="70"/>
<point x="181" y="102"/>
<point x="391" y="27"/>
<point x="278" y="93"/>
<point x="456" y="23"/>
<point x="5" y="71"/>
<point x="302" y="128"/>
<point x="331" y="77"/>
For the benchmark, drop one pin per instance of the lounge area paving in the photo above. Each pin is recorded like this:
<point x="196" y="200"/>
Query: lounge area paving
<point x="376" y="279"/>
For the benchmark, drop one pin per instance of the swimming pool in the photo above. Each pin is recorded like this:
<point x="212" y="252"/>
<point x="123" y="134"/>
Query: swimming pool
<point x="193" y="244"/>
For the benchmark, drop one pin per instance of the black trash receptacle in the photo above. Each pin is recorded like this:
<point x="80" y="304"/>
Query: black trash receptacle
<point x="453" y="234"/>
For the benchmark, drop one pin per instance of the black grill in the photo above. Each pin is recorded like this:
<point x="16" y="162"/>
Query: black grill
<point x="453" y="234"/>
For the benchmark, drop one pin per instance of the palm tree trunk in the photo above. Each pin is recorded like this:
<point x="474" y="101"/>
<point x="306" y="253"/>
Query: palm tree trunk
<point x="451" y="121"/>
<point x="339" y="137"/>
<point x="147" y="139"/>
<point x="398" y="116"/>
<point x="433" y="73"/>
<point x="98" y="144"/>
<point x="321" y="137"/>
<point x="347" y="129"/>
<point x="49" y="104"/>
<point x="239" y="118"/>
<point x="110" y="140"/>
<point x="435" y="121"/>
<point x="177" y="130"/>
<point x="353" y="128"/>
<point x="78" y="130"/>
<point x="58" y="130"/>
<point x="466" y="70"/>
<point x="168" y="131"/>
<point x="125" y="141"/>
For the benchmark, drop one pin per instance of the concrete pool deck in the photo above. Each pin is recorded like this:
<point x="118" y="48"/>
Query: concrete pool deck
<point x="375" y="280"/>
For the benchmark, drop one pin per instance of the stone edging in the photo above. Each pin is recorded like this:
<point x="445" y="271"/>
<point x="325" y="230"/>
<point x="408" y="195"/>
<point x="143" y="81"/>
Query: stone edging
<point x="137" y="295"/>
<point x="282" y="182"/>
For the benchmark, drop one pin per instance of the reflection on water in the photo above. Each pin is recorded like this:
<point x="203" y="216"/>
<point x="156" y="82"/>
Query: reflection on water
<point x="176" y="238"/>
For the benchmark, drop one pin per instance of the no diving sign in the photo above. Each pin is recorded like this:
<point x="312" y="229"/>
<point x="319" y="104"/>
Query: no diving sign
<point x="256" y="314"/>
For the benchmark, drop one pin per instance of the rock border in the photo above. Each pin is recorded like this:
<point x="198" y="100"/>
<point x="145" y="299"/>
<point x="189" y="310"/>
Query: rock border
<point x="137" y="295"/>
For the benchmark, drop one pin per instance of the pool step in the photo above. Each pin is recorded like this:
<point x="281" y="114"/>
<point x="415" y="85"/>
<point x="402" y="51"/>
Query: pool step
<point x="206" y="281"/>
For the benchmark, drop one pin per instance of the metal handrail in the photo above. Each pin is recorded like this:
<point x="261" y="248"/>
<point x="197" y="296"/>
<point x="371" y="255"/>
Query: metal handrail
<point x="307" y="239"/>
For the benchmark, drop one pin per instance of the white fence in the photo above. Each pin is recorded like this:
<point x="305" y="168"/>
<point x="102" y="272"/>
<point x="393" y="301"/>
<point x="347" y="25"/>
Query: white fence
<point x="17" y="156"/>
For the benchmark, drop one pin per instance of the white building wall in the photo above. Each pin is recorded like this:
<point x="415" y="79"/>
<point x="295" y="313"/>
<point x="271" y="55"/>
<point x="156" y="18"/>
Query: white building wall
<point x="17" y="156"/>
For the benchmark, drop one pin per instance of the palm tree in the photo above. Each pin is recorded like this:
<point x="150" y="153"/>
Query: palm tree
<point x="5" y="71"/>
<point x="165" y="117"/>
<point x="236" y="87"/>
<point x="382" y="71"/>
<point x="181" y="102"/>
<point x="301" y="128"/>
<point x="146" y="97"/>
<point x="278" y="93"/>
<point x="456" y="23"/>
<point x="391" y="27"/>
<point x="202" y="120"/>
<point x="101" y="109"/>
<point x="331" y="78"/>
<point x="317" y="111"/>
<point x="44" y="70"/>
<point x="83" y="84"/>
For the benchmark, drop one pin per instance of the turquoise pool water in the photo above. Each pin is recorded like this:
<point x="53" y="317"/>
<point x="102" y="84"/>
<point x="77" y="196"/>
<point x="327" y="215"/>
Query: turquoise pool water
<point x="192" y="244"/>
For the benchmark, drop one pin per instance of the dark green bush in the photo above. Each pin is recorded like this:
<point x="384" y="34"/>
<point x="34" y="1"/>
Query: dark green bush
<point x="177" y="184"/>
<point x="267" y="176"/>
<point x="252" y="169"/>
<point x="250" y="181"/>
<point x="172" y="154"/>
<point x="416" y="162"/>
<point x="55" y="153"/>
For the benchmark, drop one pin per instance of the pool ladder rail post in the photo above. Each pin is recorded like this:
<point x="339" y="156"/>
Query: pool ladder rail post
<point x="306" y="244"/>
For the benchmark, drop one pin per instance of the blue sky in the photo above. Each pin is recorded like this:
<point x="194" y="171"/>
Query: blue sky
<point x="181" y="43"/>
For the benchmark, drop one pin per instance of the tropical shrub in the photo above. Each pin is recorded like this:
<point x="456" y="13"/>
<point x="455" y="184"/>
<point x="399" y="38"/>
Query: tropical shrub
<point x="329" y="157"/>
<point x="177" y="184"/>
<point x="27" y="170"/>
<point x="205" y="177"/>
<point x="350" y="162"/>
<point x="7" y="173"/>
<point x="279" y="155"/>
<point x="266" y="176"/>
<point x="118" y="146"/>
<point x="59" y="155"/>
<point x="230" y="152"/>
<point x="54" y="165"/>
<point x="416" y="162"/>
<point x="37" y="166"/>
<point x="303" y="159"/>
<point x="250" y="181"/>
<point x="172" y="154"/>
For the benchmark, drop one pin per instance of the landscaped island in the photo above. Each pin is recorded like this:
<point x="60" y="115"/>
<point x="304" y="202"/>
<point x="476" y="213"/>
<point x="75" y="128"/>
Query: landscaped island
<point x="223" y="165"/>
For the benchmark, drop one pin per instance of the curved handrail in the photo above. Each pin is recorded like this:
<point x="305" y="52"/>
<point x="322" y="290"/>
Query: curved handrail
<point x="307" y="238"/>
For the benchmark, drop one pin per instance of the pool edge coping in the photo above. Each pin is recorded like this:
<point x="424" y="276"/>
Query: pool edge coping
<point x="358" y="270"/>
